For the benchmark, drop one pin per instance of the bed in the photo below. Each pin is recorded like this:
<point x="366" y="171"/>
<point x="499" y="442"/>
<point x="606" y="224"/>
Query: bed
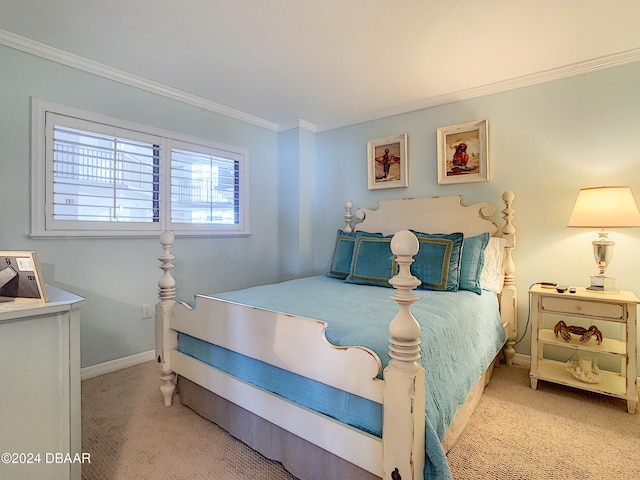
<point x="327" y="374"/>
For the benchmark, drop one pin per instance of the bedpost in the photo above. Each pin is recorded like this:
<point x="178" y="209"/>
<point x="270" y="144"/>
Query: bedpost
<point x="166" y="339"/>
<point x="403" y="425"/>
<point x="509" y="294"/>
<point x="348" y="217"/>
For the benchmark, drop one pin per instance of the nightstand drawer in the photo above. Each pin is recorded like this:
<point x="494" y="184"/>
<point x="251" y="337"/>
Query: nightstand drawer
<point x="571" y="306"/>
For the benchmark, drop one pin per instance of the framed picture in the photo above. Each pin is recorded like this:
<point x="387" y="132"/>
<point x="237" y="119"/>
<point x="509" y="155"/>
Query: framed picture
<point x="21" y="278"/>
<point x="463" y="153"/>
<point x="388" y="162"/>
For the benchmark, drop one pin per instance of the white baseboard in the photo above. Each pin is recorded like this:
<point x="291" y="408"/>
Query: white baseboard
<point x="521" y="360"/>
<point x="117" y="364"/>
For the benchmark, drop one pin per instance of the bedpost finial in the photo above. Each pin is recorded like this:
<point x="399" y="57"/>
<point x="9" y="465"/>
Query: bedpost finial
<point x="508" y="215"/>
<point x="508" y="196"/>
<point x="404" y="243"/>
<point x="167" y="238"/>
<point x="348" y="217"/>
<point x="167" y="283"/>
<point x="404" y="341"/>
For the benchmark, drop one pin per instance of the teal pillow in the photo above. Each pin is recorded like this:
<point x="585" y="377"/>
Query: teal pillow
<point x="437" y="264"/>
<point x="472" y="262"/>
<point x="372" y="262"/>
<point x="342" y="254"/>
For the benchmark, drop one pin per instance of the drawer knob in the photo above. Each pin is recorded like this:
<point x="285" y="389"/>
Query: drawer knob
<point x="579" y="308"/>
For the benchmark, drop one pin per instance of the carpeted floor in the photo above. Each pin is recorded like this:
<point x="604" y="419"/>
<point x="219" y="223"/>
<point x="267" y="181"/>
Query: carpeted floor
<point x="130" y="434"/>
<point x="516" y="433"/>
<point x="554" y="432"/>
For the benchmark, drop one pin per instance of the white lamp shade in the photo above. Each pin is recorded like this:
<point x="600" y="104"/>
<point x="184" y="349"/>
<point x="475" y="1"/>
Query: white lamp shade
<point x="605" y="207"/>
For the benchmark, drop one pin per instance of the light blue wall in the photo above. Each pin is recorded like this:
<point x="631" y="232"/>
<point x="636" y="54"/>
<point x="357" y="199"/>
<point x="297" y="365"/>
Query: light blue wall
<point x="297" y="157"/>
<point x="117" y="276"/>
<point x="545" y="143"/>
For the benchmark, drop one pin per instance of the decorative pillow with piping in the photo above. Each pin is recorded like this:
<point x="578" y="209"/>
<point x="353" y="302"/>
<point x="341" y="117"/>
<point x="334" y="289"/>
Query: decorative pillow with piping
<point x="437" y="264"/>
<point x="342" y="255"/>
<point x="472" y="262"/>
<point x="372" y="262"/>
<point x="492" y="276"/>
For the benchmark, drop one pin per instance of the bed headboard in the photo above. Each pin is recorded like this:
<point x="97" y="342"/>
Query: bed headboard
<point x="432" y="215"/>
<point x="446" y="214"/>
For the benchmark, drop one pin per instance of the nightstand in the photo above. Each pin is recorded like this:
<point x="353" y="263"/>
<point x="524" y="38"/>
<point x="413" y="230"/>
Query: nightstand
<point x="612" y="313"/>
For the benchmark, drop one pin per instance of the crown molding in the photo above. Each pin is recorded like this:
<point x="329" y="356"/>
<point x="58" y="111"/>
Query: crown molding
<point x="65" y="58"/>
<point x="32" y="47"/>
<point x="311" y="127"/>
<point x="301" y="123"/>
<point x="601" y="63"/>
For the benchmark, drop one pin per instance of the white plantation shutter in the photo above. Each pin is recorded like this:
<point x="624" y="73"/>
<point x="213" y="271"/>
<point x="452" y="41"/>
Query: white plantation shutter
<point x="205" y="187"/>
<point x="104" y="178"/>
<point x="97" y="176"/>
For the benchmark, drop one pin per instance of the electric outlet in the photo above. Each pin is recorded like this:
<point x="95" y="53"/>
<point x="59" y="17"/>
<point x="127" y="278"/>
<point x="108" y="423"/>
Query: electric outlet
<point x="147" y="310"/>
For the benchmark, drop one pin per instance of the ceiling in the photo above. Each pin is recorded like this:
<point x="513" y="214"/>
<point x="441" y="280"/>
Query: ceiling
<point x="326" y="63"/>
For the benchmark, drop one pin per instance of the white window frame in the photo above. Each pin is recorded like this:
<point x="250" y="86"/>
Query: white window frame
<point x="42" y="223"/>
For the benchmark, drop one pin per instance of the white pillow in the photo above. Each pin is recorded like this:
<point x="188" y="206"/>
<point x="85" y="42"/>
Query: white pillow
<point x="492" y="276"/>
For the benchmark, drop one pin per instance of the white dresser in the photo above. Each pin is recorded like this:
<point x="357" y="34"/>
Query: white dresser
<point x="40" y="402"/>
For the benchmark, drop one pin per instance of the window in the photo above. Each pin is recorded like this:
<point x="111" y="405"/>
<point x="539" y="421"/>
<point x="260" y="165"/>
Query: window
<point x="96" y="176"/>
<point x="204" y="188"/>
<point x="102" y="178"/>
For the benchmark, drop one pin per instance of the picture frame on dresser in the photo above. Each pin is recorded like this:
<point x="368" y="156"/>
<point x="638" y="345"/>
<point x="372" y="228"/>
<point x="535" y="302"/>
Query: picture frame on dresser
<point x="463" y="153"/>
<point x="387" y="162"/>
<point x="21" y="278"/>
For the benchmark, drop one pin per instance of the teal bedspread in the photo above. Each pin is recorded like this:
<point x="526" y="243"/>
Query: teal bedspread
<point x="461" y="334"/>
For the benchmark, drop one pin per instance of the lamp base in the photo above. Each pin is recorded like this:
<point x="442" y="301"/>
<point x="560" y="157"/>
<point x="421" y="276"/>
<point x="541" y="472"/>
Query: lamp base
<point x="600" y="283"/>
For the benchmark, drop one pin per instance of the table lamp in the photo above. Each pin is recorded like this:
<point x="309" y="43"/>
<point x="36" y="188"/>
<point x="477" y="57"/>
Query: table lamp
<point x="602" y="208"/>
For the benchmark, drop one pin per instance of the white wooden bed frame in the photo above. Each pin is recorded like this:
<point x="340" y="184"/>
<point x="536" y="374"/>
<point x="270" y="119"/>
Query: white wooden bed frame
<point x="299" y="345"/>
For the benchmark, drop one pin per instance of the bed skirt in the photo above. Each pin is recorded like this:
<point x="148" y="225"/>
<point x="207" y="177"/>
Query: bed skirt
<point x="301" y="458"/>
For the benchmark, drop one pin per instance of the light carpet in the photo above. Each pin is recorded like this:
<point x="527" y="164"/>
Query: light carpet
<point x="552" y="433"/>
<point x="515" y="433"/>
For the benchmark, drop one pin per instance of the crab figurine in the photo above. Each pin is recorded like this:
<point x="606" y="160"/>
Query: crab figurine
<point x="565" y="332"/>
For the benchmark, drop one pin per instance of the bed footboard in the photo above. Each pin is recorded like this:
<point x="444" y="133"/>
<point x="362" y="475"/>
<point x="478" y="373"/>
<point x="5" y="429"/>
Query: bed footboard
<point x="403" y="447"/>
